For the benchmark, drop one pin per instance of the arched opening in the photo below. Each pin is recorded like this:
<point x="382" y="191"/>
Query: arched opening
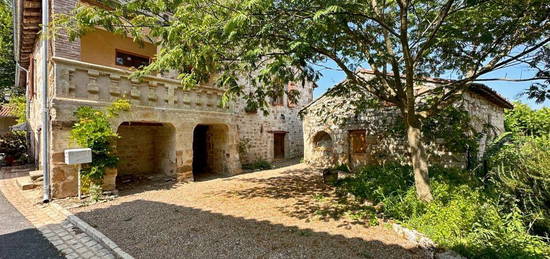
<point x="322" y="155"/>
<point x="145" y="150"/>
<point x="322" y="140"/>
<point x="209" y="151"/>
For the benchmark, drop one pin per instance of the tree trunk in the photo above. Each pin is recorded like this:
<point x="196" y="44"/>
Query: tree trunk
<point x="419" y="161"/>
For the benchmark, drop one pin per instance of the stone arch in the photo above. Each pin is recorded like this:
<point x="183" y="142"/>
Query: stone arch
<point x="211" y="147"/>
<point x="146" y="148"/>
<point x="322" y="150"/>
<point x="322" y="140"/>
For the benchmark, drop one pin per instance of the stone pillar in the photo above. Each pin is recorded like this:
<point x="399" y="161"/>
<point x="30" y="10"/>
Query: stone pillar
<point x="64" y="178"/>
<point x="184" y="152"/>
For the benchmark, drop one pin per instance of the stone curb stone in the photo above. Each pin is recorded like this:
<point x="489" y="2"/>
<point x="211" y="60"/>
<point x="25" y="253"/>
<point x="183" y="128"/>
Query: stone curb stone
<point x="94" y="233"/>
<point x="424" y="243"/>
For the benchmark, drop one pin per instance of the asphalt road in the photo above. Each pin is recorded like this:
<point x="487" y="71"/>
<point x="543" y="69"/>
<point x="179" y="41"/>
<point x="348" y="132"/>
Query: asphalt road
<point x="19" y="238"/>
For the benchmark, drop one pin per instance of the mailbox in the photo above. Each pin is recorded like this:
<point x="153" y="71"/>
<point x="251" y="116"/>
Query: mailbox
<point x="78" y="156"/>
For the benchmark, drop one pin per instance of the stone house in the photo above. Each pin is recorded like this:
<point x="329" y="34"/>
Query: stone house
<point x="7" y="119"/>
<point x="334" y="133"/>
<point x="180" y="133"/>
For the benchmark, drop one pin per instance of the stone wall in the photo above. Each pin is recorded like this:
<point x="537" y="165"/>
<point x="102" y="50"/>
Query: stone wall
<point x="136" y="150"/>
<point x="256" y="130"/>
<point x="158" y="100"/>
<point x="339" y="121"/>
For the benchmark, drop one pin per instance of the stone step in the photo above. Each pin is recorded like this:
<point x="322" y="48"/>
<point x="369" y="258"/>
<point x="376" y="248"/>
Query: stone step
<point x="36" y="174"/>
<point x="25" y="183"/>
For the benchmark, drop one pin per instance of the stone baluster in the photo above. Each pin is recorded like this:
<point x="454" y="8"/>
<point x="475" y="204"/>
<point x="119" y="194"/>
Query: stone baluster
<point x="186" y="99"/>
<point x="115" y="88"/>
<point x="92" y="87"/>
<point x="152" y="94"/>
<point x="65" y="84"/>
<point x="135" y="93"/>
<point x="170" y="95"/>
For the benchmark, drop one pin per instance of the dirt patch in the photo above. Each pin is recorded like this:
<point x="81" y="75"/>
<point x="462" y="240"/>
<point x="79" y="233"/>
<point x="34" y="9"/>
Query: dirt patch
<point x="266" y="214"/>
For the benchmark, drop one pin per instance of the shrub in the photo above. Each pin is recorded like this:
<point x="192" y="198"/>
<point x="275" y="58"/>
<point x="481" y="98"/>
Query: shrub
<point x="258" y="165"/>
<point x="19" y="106"/>
<point x="520" y="173"/>
<point x="375" y="183"/>
<point x="93" y="130"/>
<point x="522" y="120"/>
<point x="465" y="215"/>
<point x="13" y="145"/>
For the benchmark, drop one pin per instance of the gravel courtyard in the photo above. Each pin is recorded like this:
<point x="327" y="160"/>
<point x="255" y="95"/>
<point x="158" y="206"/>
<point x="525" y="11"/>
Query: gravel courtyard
<point x="266" y="214"/>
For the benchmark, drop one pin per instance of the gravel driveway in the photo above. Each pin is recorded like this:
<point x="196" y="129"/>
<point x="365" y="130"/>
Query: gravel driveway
<point x="266" y="214"/>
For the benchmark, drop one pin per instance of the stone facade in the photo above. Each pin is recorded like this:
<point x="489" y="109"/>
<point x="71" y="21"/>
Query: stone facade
<point x="334" y="134"/>
<point x="157" y="135"/>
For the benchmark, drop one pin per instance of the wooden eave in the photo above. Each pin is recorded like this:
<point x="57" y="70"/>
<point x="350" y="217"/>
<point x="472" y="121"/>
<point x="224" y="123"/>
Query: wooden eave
<point x="29" y="26"/>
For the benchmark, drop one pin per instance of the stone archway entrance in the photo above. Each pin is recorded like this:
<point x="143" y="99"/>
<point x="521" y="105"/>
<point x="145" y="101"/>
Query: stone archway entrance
<point x="209" y="151"/>
<point x="145" y="149"/>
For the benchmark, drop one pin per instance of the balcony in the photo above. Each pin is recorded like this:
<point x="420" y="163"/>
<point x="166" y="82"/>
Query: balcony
<point x="76" y="80"/>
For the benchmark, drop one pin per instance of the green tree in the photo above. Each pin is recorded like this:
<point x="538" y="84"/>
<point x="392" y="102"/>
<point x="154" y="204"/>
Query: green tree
<point x="523" y="120"/>
<point x="7" y="62"/>
<point x="266" y="43"/>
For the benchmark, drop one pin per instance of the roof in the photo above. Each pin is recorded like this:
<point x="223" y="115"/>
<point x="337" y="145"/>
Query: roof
<point x="481" y="89"/>
<point x="7" y="112"/>
<point x="27" y="20"/>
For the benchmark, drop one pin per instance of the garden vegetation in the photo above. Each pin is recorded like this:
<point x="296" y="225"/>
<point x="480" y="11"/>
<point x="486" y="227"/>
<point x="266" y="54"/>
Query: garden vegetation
<point x="499" y="210"/>
<point x="93" y="130"/>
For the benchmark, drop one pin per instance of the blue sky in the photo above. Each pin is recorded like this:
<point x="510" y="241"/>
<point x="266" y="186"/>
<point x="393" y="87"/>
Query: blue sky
<point x="510" y="90"/>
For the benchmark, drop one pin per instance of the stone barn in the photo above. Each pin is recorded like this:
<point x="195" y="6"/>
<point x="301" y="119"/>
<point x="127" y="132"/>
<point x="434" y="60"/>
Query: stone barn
<point x="335" y="134"/>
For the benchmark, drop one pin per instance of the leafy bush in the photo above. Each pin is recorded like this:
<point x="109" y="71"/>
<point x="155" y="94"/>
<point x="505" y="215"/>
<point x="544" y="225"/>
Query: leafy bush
<point x="93" y="130"/>
<point x="522" y="120"/>
<point x="13" y="145"/>
<point x="258" y="165"/>
<point x="520" y="172"/>
<point x="465" y="215"/>
<point x="375" y="183"/>
<point x="19" y="106"/>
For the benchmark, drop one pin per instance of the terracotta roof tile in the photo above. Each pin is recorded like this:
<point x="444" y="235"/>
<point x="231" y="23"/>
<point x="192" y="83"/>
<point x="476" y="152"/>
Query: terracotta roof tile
<point x="6" y="112"/>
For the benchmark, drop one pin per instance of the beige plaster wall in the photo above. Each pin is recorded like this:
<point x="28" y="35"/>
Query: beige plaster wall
<point x="99" y="47"/>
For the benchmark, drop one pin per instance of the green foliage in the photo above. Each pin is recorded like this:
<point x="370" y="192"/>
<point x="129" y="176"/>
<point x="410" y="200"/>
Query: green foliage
<point x="520" y="171"/>
<point x="452" y="125"/>
<point x="465" y="215"/>
<point x="522" y="120"/>
<point x="13" y="145"/>
<point x="93" y="130"/>
<point x="268" y="43"/>
<point x="19" y="106"/>
<point x="258" y="165"/>
<point x="7" y="63"/>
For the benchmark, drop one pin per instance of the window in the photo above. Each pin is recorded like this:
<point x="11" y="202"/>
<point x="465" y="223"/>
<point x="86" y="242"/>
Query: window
<point x="130" y="60"/>
<point x="292" y="93"/>
<point x="357" y="139"/>
<point x="278" y="100"/>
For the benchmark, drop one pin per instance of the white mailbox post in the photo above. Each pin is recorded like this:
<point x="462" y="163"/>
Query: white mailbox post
<point x="78" y="157"/>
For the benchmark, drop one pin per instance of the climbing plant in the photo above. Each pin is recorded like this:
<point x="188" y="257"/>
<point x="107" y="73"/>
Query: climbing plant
<point x="93" y="130"/>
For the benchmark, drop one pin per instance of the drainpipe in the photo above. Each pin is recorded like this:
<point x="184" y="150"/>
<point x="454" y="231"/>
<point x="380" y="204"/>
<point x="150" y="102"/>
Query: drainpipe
<point x="45" y="105"/>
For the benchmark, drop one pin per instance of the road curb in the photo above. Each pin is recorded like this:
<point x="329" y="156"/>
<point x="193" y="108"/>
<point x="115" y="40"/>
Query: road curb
<point x="92" y="232"/>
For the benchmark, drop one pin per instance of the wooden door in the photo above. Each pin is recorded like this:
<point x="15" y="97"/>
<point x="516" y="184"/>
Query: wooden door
<point x="279" y="146"/>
